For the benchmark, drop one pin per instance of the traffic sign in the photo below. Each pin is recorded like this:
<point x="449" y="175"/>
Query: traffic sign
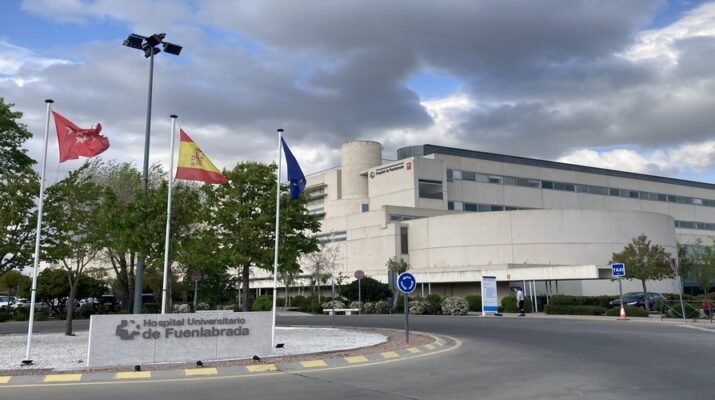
<point x="618" y="269"/>
<point x="196" y="276"/>
<point x="406" y="282"/>
<point x="359" y="274"/>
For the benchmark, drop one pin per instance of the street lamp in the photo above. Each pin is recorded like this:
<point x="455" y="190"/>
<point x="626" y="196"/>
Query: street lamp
<point x="147" y="44"/>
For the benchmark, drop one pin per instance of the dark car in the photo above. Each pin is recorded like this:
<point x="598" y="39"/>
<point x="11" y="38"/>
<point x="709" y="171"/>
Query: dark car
<point x="637" y="299"/>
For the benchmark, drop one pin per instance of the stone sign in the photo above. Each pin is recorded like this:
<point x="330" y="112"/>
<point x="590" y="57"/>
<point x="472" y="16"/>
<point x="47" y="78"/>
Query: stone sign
<point x="131" y="339"/>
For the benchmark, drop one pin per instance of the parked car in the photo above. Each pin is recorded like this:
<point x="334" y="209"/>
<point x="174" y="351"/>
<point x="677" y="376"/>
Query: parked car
<point x="6" y="301"/>
<point x="19" y="303"/>
<point x="637" y="299"/>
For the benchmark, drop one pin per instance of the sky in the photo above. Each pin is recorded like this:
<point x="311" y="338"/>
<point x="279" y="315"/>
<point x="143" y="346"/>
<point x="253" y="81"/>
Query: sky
<point x="626" y="85"/>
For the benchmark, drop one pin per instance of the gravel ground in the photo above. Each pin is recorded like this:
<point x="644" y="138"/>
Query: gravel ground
<point x="56" y="351"/>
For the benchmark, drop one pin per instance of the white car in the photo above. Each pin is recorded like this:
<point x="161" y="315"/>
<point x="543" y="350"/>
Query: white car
<point x="20" y="303"/>
<point x="6" y="301"/>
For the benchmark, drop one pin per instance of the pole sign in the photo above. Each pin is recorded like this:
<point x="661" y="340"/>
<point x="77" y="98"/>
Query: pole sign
<point x="196" y="276"/>
<point x="359" y="274"/>
<point x="490" y="302"/>
<point x="618" y="270"/>
<point x="406" y="282"/>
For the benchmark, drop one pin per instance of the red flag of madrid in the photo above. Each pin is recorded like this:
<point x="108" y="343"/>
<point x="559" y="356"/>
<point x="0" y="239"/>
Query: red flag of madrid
<point x="75" y="141"/>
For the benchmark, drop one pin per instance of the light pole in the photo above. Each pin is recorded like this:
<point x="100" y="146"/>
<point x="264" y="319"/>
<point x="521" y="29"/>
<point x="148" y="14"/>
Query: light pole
<point x="147" y="44"/>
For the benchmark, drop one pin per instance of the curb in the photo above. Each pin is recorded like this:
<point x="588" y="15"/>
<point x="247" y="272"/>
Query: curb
<point x="441" y="344"/>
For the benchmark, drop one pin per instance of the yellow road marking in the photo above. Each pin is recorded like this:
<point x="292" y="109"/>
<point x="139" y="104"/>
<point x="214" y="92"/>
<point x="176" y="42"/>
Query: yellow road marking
<point x="63" y="378"/>
<point x="389" y="354"/>
<point x="4" y="379"/>
<point x="134" y="375"/>
<point x="356" y="359"/>
<point x="314" y="364"/>
<point x="200" y="371"/>
<point x="261" y="368"/>
<point x="429" y="346"/>
<point x="414" y="350"/>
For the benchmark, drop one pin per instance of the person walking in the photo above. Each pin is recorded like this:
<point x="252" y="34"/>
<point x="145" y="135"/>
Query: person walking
<point x="520" y="301"/>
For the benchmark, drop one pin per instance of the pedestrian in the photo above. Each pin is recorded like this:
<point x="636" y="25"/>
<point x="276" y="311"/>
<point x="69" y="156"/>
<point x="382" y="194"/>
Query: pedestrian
<point x="520" y="301"/>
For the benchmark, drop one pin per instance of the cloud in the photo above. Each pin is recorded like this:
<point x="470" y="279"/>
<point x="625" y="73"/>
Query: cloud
<point x="546" y="79"/>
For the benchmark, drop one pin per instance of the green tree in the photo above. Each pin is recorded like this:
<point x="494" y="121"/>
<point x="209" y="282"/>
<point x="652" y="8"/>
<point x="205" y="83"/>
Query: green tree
<point x="19" y="186"/>
<point x="644" y="261"/>
<point x="72" y="237"/>
<point x="395" y="266"/>
<point x="53" y="289"/>
<point x="15" y="284"/>
<point x="371" y="290"/>
<point x="241" y="218"/>
<point x="697" y="263"/>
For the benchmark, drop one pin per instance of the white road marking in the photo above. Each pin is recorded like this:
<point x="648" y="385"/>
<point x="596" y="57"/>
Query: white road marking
<point x="698" y="328"/>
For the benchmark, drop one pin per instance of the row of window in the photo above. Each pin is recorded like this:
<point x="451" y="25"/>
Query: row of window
<point x="330" y="237"/>
<point x="480" y="207"/>
<point x="453" y="175"/>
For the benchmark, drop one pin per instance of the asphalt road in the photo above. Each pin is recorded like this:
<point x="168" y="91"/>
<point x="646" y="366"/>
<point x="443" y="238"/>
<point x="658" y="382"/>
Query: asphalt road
<point x="501" y="358"/>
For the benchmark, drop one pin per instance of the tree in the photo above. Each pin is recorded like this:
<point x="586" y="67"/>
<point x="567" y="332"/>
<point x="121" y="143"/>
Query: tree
<point x="19" y="186"/>
<point x="371" y="290"/>
<point x="72" y="237"/>
<point x="644" y="261"/>
<point x="395" y="266"/>
<point x="15" y="284"/>
<point x="241" y="218"/>
<point x="321" y="265"/>
<point x="698" y="263"/>
<point x="53" y="289"/>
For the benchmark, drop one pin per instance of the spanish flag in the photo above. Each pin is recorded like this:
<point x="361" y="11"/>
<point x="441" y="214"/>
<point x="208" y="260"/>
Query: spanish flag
<point x="194" y="165"/>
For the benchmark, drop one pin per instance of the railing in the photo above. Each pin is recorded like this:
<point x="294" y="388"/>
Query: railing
<point x="694" y="309"/>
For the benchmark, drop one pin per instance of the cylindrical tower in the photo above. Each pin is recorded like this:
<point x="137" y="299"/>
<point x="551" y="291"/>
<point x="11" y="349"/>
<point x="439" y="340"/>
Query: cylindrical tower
<point x="356" y="157"/>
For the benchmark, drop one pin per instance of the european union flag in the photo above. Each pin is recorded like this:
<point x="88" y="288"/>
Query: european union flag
<point x="295" y="174"/>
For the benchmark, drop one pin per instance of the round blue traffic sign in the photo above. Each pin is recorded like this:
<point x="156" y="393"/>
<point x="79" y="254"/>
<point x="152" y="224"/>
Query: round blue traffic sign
<point x="406" y="282"/>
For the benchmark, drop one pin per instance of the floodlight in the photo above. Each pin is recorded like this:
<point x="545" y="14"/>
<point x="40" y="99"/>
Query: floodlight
<point x="172" y="48"/>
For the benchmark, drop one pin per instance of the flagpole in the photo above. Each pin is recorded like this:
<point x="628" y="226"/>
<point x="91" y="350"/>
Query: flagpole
<point x="168" y="216"/>
<point x="28" y="360"/>
<point x="275" y="255"/>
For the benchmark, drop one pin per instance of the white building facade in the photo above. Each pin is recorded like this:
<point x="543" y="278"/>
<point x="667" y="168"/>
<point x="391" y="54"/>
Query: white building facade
<point x="456" y="215"/>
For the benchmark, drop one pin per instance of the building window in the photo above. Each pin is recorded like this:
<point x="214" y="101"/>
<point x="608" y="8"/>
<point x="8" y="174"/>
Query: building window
<point x="457" y="175"/>
<point x="613" y="192"/>
<point x="470" y="207"/>
<point x="430" y="189"/>
<point x="458" y="206"/>
<point x="598" y="190"/>
<point x="469" y="176"/>
<point x="495" y="179"/>
<point x="449" y="175"/>
<point x="365" y="207"/>
<point x="404" y="249"/>
<point x="509" y="180"/>
<point x="547" y="184"/>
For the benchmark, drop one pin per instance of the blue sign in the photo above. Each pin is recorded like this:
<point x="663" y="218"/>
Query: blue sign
<point x="406" y="282"/>
<point x="618" y="269"/>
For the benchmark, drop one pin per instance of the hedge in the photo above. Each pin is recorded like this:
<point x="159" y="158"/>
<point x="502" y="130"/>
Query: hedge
<point x="595" y="301"/>
<point x="475" y="302"/>
<point x="557" y="309"/>
<point x="262" y="303"/>
<point x="508" y="305"/>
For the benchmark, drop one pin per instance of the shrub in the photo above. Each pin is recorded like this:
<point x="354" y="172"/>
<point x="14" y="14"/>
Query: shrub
<point x="333" y="304"/>
<point x="455" y="306"/>
<point x="182" y="308"/>
<point x="596" y="301"/>
<point x="229" y="307"/>
<point x="262" y="303"/>
<point x="368" y="308"/>
<point x="381" y="307"/>
<point x="508" y="305"/>
<point x="435" y="302"/>
<point x="371" y="290"/>
<point x="556" y="309"/>
<point x="475" y="302"/>
<point x="22" y="314"/>
<point x="299" y="302"/>
<point x="419" y="307"/>
<point x="355" y="304"/>
<point x="85" y="312"/>
<point x="4" y="316"/>
<point x="151" y="308"/>
<point x="41" y="315"/>
<point x="204" y="306"/>
<point x="630" y="311"/>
